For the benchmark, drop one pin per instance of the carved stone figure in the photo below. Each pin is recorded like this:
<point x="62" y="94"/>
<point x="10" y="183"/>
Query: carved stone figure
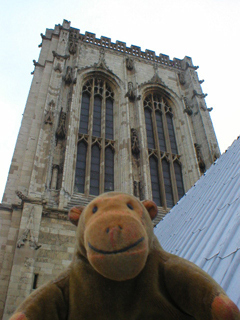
<point x="201" y="163"/>
<point x="61" y="130"/>
<point x="130" y="94"/>
<point x="28" y="235"/>
<point x="181" y="77"/>
<point x="129" y="64"/>
<point x="58" y="68"/>
<point x="135" y="142"/>
<point x="48" y="119"/>
<point x="188" y="109"/>
<point x="200" y="95"/>
<point x="72" y="47"/>
<point x="68" y="77"/>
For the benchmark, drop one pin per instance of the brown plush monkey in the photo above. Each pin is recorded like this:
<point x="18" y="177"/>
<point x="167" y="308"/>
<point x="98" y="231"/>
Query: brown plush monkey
<point x="120" y="272"/>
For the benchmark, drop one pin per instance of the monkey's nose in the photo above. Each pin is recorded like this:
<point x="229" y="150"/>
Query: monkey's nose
<point x="118" y="227"/>
<point x="114" y="234"/>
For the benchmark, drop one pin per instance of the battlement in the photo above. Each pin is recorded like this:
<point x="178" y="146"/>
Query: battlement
<point x="133" y="50"/>
<point x="119" y="46"/>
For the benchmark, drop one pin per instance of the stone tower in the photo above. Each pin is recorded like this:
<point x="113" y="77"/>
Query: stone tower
<point x="99" y="117"/>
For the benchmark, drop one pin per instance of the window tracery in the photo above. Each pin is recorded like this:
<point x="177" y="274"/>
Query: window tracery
<point x="95" y="152"/>
<point x="165" y="166"/>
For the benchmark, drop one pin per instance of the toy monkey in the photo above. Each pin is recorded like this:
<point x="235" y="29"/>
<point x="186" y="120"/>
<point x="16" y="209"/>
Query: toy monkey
<point x="120" y="272"/>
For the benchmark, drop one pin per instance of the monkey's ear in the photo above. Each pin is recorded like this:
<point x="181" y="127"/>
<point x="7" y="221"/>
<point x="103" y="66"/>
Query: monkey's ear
<point x="151" y="208"/>
<point x="74" y="214"/>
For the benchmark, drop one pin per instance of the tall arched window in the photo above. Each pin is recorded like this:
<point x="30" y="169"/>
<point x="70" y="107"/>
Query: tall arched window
<point x="164" y="160"/>
<point x="95" y="139"/>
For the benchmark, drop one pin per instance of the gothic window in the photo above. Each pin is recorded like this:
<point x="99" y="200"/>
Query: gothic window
<point x="81" y="166"/>
<point x="95" y="166"/>
<point x="95" y="139"/>
<point x="155" y="180"/>
<point x="178" y="174"/>
<point x="164" y="161"/>
<point x="109" y="170"/>
<point x="83" y="127"/>
<point x="109" y="119"/>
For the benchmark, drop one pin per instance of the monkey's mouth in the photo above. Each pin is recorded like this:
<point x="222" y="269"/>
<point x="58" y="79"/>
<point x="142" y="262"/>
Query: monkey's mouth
<point x="116" y="251"/>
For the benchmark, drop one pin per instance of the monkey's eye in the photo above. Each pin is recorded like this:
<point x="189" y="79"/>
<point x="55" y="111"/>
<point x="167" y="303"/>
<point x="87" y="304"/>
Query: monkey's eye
<point x="95" y="209"/>
<point x="129" y="206"/>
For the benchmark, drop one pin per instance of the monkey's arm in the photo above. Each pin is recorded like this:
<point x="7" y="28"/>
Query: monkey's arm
<point x="49" y="302"/>
<point x="196" y="293"/>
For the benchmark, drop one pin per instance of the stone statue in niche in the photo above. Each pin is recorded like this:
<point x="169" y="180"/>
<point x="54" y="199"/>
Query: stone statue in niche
<point x="181" y="77"/>
<point x="49" y="114"/>
<point x="48" y="117"/>
<point x="188" y="109"/>
<point x="61" y="130"/>
<point x="135" y="142"/>
<point x="55" y="169"/>
<point x="72" y="47"/>
<point x="129" y="64"/>
<point x="201" y="163"/>
<point x="130" y="94"/>
<point x="58" y="68"/>
<point x="136" y="188"/>
<point x="68" y="77"/>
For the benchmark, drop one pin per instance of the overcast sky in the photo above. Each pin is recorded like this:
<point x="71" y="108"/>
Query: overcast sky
<point x="206" y="30"/>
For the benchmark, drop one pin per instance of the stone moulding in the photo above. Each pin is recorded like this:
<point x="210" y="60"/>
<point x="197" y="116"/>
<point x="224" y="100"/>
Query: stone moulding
<point x="59" y="56"/>
<point x="52" y="213"/>
<point x="29" y="199"/>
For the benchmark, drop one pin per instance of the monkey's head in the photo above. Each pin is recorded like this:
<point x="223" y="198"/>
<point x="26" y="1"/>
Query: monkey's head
<point x="115" y="234"/>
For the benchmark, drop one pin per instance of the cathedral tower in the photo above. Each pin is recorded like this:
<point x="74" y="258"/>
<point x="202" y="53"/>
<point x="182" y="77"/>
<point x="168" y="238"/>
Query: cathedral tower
<point x="100" y="116"/>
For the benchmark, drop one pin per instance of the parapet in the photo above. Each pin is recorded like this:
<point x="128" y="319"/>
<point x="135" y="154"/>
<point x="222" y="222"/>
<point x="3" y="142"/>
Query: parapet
<point x="119" y="46"/>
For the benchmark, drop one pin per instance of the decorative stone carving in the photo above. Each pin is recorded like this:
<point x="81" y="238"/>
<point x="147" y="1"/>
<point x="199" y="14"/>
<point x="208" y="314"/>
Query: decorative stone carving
<point x="49" y="114"/>
<point x="68" y="78"/>
<point x="37" y="64"/>
<point x="73" y="42"/>
<point x="188" y="109"/>
<point x="201" y="81"/>
<point x="130" y="94"/>
<point x="129" y="64"/>
<point x="59" y="56"/>
<point x="101" y="62"/>
<point x="205" y="109"/>
<point x="29" y="199"/>
<point x="136" y="188"/>
<point x="135" y="142"/>
<point x="72" y="47"/>
<point x="48" y="117"/>
<point x="181" y="77"/>
<point x="59" y="61"/>
<point x="192" y="67"/>
<point x="28" y="234"/>
<point x="200" y="95"/>
<point x="157" y="79"/>
<point x="58" y="68"/>
<point x="201" y="163"/>
<point x="61" y="130"/>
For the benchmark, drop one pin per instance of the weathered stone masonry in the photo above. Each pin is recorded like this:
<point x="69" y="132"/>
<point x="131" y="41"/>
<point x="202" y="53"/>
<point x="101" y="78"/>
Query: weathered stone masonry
<point x="37" y="240"/>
